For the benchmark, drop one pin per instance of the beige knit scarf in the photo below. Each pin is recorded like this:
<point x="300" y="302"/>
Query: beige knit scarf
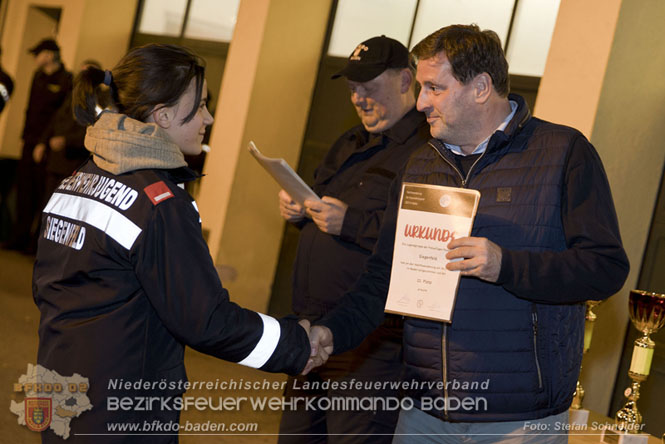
<point x="120" y="144"/>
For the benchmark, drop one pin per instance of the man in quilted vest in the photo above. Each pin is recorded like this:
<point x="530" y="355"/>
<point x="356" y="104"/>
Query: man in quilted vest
<point x="545" y="239"/>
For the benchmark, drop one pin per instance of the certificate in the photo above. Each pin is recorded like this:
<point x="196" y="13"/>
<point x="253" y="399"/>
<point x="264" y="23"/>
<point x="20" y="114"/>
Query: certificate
<point x="284" y="176"/>
<point x="429" y="217"/>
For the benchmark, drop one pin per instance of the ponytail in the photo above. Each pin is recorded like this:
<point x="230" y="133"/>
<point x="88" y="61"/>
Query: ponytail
<point x="91" y="92"/>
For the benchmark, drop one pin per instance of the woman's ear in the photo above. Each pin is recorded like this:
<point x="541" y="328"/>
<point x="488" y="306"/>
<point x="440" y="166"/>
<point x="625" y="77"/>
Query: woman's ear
<point x="162" y="115"/>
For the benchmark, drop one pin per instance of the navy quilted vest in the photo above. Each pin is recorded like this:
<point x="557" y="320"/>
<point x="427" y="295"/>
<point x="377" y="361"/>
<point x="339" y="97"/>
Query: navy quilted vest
<point x="507" y="358"/>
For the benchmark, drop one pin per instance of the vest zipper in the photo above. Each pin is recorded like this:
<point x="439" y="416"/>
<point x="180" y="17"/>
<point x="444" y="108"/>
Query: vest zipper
<point x="444" y="371"/>
<point x="534" y="317"/>
<point x="464" y="180"/>
<point x="459" y="173"/>
<point x="468" y="173"/>
<point x="444" y="363"/>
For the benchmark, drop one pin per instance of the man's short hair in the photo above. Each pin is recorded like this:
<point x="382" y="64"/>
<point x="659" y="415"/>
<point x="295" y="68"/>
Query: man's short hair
<point x="471" y="51"/>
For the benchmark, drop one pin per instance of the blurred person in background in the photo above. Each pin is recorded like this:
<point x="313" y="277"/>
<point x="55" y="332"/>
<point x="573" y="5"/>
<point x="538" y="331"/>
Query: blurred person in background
<point x="51" y="84"/>
<point x="62" y="149"/>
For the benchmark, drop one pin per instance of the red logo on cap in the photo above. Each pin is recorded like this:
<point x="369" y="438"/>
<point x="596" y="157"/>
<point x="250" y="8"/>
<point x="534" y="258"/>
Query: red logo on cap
<point x="158" y="192"/>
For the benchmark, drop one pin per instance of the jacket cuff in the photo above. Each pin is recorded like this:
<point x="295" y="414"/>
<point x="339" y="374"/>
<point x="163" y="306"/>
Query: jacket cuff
<point x="350" y="225"/>
<point x="339" y="332"/>
<point x="299" y="224"/>
<point x="293" y="349"/>
<point x="506" y="273"/>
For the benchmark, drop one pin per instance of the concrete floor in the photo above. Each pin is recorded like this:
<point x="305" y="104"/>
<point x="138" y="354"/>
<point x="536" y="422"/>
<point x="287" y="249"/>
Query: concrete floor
<point x="19" y="319"/>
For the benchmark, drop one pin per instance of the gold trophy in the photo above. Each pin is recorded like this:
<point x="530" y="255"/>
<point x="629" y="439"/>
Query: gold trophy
<point x="578" y="415"/>
<point x="647" y="311"/>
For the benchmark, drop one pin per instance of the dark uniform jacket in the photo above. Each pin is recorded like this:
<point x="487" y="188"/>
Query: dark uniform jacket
<point x="47" y="94"/>
<point x="124" y="280"/>
<point x="357" y="170"/>
<point x="546" y="201"/>
<point x="63" y="162"/>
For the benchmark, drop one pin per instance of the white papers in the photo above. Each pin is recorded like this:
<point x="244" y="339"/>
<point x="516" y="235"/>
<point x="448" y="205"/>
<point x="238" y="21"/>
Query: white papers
<point x="285" y="176"/>
<point x="429" y="217"/>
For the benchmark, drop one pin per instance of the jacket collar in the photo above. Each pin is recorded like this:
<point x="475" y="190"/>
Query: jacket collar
<point x="398" y="133"/>
<point x="521" y="117"/>
<point x="403" y="129"/>
<point x="182" y="174"/>
<point x="502" y="139"/>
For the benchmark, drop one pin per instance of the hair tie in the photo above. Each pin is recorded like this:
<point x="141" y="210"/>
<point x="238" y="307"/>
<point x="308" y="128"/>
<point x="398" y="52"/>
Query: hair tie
<point x="108" y="77"/>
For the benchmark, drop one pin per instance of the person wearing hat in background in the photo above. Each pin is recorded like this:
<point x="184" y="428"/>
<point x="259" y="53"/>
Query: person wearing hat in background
<point x="51" y="84"/>
<point x="338" y="234"/>
<point x="61" y="149"/>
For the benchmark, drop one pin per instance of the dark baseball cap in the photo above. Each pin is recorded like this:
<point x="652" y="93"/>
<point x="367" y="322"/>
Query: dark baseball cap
<point x="372" y="57"/>
<point x="44" y="45"/>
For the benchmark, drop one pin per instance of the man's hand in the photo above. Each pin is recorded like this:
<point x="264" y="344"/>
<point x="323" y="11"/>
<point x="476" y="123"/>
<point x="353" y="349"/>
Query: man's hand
<point x="327" y="215"/>
<point x="481" y="258"/>
<point x="57" y="143"/>
<point x="321" y="342"/>
<point x="304" y="323"/>
<point x="290" y="210"/>
<point x="38" y="152"/>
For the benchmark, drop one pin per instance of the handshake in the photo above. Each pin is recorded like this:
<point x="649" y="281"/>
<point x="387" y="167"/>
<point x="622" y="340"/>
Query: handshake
<point x="321" y="343"/>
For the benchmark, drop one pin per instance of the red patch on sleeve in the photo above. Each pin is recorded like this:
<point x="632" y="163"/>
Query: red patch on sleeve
<point x="158" y="192"/>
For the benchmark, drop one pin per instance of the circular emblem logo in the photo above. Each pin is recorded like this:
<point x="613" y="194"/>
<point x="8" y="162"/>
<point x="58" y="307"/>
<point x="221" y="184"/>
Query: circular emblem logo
<point x="445" y="200"/>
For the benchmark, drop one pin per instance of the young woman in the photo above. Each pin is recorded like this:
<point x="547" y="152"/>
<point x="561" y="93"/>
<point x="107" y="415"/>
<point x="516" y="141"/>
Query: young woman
<point x="123" y="277"/>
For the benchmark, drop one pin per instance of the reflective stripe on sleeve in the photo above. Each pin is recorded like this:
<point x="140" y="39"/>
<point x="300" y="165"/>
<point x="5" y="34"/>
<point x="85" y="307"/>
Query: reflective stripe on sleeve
<point x="197" y="209"/>
<point x="113" y="223"/>
<point x="266" y="345"/>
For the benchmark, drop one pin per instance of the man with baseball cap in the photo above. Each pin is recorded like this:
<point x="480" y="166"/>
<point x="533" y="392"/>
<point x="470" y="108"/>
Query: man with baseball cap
<point x="51" y="83"/>
<point x="338" y="234"/>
